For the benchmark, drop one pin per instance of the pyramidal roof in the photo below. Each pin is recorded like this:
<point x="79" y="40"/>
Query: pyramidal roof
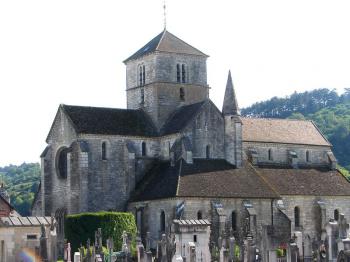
<point x="230" y="106"/>
<point x="166" y="42"/>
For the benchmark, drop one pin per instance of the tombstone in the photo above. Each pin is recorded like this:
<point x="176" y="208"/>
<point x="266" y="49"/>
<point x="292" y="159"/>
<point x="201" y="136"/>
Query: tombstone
<point x="140" y="249"/>
<point x="192" y="247"/>
<point x="43" y="245"/>
<point x="292" y="251"/>
<point x="177" y="257"/>
<point x="53" y="239"/>
<point x="69" y="253"/>
<point x="98" y="240"/>
<point x="249" y="248"/>
<point x="148" y="247"/>
<point x="88" y="250"/>
<point x="110" y="247"/>
<point x="77" y="257"/>
<point x="332" y="232"/>
<point x="163" y="248"/>
<point x="125" y="245"/>
<point x="232" y="249"/>
<point x="343" y="227"/>
<point x="82" y="253"/>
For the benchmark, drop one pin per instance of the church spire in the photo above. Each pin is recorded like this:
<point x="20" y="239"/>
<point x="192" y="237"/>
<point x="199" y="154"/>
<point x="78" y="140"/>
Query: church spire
<point x="230" y="106"/>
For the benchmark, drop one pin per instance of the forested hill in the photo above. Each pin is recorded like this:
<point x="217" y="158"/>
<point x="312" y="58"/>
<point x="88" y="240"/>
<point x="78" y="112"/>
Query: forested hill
<point x="330" y="112"/>
<point x="21" y="183"/>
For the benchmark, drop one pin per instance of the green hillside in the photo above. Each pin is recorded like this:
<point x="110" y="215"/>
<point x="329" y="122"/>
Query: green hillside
<point x="21" y="183"/>
<point x="330" y="112"/>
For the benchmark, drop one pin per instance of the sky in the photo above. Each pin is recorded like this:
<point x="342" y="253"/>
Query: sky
<point x="71" y="52"/>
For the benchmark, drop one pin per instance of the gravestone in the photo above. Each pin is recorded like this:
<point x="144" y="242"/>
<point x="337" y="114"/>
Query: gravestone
<point x="43" y="245"/>
<point x="77" y="257"/>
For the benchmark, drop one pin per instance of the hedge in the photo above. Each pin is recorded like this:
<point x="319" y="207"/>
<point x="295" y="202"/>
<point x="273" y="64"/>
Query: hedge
<point x="78" y="228"/>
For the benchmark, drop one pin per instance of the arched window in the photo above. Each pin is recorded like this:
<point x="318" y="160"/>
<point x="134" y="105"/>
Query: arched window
<point x="270" y="155"/>
<point x="143" y="149"/>
<point x="178" y="73"/>
<point x="207" y="151"/>
<point x="297" y="217"/>
<point x="142" y="96"/>
<point x="183" y="73"/>
<point x="336" y="214"/>
<point x="182" y="94"/>
<point x="104" y="151"/>
<point x="307" y="156"/>
<point x="199" y="215"/>
<point x="62" y="162"/>
<point x="162" y="221"/>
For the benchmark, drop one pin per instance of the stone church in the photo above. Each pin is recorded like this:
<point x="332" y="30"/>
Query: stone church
<point x="173" y="154"/>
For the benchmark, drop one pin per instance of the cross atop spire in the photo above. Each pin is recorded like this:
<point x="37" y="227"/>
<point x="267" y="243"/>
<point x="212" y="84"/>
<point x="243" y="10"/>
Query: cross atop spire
<point x="230" y="106"/>
<point x="164" y="14"/>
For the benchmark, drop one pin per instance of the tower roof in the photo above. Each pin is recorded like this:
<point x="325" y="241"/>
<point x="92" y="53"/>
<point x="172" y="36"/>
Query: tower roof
<point x="230" y="106"/>
<point x="166" y="42"/>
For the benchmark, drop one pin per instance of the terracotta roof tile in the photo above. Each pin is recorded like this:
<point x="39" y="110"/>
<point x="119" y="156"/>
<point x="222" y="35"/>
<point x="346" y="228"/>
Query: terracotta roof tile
<point x="316" y="182"/>
<point x="282" y="131"/>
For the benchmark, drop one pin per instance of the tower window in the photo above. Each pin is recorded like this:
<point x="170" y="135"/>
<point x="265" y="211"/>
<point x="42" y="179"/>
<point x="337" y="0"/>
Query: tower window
<point x="307" y="156"/>
<point x="104" y="151"/>
<point x="162" y="221"/>
<point x="199" y="215"/>
<point x="178" y="73"/>
<point x="142" y="96"/>
<point x="183" y="73"/>
<point x="297" y="217"/>
<point x="234" y="220"/>
<point x="143" y="149"/>
<point x="195" y="238"/>
<point x="270" y="155"/>
<point x="142" y="75"/>
<point x="182" y="94"/>
<point x="207" y="151"/>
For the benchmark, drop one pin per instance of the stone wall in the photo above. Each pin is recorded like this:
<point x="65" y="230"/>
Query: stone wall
<point x="161" y="67"/>
<point x="318" y="154"/>
<point x="207" y="129"/>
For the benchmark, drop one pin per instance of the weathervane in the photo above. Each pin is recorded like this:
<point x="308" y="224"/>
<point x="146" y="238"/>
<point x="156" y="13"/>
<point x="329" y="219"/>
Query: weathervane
<point x="164" y="8"/>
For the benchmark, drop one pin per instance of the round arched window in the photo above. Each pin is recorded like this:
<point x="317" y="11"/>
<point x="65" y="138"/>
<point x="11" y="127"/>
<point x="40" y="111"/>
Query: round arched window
<point x="61" y="162"/>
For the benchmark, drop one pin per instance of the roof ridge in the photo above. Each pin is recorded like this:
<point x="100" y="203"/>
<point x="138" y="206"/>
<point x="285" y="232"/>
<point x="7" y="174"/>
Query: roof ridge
<point x="276" y="119"/>
<point x="160" y="40"/>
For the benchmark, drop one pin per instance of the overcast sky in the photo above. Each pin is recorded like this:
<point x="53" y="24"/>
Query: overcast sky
<point x="71" y="52"/>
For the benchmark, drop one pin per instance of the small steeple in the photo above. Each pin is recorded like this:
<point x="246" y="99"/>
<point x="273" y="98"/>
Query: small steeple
<point x="230" y="106"/>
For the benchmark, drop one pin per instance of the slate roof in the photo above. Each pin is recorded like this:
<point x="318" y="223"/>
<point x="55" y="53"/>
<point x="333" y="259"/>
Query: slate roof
<point x="180" y="118"/>
<point x="315" y="182"/>
<point x="203" y="178"/>
<point x="166" y="42"/>
<point x="110" y="121"/>
<point x="282" y="131"/>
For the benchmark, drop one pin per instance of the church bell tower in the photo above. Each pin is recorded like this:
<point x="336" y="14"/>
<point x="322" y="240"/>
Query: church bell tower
<point x="165" y="74"/>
